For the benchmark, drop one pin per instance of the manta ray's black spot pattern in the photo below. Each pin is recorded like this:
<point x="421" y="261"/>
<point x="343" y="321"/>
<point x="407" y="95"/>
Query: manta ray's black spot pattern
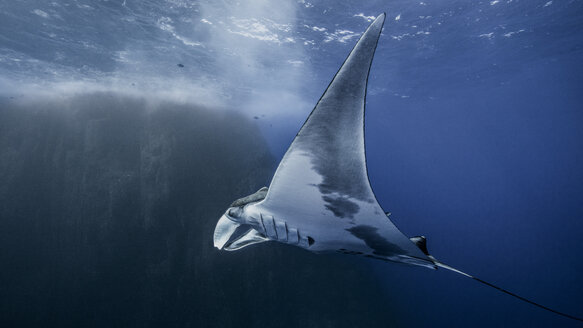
<point x="342" y="207"/>
<point x="374" y="240"/>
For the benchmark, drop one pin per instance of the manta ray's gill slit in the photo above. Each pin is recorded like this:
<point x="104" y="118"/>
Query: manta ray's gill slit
<point x="303" y="240"/>
<point x="274" y="227"/>
<point x="262" y="224"/>
<point x="293" y="236"/>
<point x="281" y="229"/>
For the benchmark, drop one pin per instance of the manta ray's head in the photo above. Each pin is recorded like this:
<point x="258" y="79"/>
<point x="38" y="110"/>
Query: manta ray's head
<point x="234" y="229"/>
<point x="233" y="232"/>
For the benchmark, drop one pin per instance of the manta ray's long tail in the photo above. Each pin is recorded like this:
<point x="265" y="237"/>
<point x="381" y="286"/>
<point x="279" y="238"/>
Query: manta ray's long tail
<point x="445" y="266"/>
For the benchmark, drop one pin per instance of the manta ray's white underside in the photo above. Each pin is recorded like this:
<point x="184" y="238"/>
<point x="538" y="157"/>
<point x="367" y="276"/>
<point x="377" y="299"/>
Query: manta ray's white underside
<point x="320" y="197"/>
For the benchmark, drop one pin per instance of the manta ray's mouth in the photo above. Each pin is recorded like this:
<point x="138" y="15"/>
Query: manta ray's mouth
<point x="230" y="235"/>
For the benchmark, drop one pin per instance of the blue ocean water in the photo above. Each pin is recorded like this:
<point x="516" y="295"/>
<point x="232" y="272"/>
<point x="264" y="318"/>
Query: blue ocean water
<point x="484" y="158"/>
<point x="474" y="119"/>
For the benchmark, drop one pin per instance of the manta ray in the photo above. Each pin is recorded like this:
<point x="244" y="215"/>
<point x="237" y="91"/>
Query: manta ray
<point x="320" y="197"/>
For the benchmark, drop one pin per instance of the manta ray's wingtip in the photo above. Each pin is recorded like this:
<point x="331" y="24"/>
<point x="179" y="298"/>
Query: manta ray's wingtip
<point x="381" y="17"/>
<point x="377" y="25"/>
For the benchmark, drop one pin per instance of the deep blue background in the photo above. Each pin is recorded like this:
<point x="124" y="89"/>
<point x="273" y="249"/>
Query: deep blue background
<point x="492" y="176"/>
<point x="485" y="159"/>
<point x="474" y="121"/>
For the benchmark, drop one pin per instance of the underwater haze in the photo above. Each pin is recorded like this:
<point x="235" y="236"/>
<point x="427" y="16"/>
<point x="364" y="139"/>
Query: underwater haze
<point x="127" y="127"/>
